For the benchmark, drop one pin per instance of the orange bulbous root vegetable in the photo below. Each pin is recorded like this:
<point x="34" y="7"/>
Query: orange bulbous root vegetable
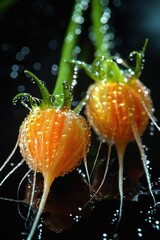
<point x="117" y="114"/>
<point x="116" y="109"/>
<point x="53" y="140"/>
<point x="119" y="108"/>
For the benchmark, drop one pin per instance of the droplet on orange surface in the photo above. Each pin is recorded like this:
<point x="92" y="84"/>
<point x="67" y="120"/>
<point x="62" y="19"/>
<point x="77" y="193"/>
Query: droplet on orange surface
<point x="113" y="109"/>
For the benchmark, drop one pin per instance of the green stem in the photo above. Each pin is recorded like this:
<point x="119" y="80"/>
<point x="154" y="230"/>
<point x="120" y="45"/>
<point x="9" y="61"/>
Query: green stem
<point x="98" y="25"/>
<point x="65" y="73"/>
<point x="46" y="99"/>
<point x="139" y="60"/>
<point x="67" y="95"/>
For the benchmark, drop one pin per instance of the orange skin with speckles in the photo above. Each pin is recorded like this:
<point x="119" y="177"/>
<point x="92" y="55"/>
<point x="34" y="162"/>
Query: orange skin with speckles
<point x="54" y="141"/>
<point x="113" y="109"/>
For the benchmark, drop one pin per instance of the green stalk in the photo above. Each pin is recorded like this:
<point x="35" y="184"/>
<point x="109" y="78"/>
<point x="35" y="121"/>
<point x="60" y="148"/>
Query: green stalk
<point x="65" y="73"/>
<point x="98" y="25"/>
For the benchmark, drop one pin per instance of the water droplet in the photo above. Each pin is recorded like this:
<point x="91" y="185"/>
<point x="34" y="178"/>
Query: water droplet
<point x="19" y="56"/>
<point x="21" y="88"/>
<point x="156" y="225"/>
<point x="15" y="67"/>
<point x="103" y="19"/>
<point x="78" y="31"/>
<point x="119" y="60"/>
<point x="37" y="66"/>
<point x="84" y="4"/>
<point x="104" y="236"/>
<point x="5" y="47"/>
<point x="53" y="44"/>
<point x="139" y="230"/>
<point x="117" y="3"/>
<point x="115" y="216"/>
<point x="54" y="69"/>
<point x="69" y="37"/>
<point x="14" y="74"/>
<point x="153" y="110"/>
<point x="77" y="218"/>
<point x="39" y="227"/>
<point x="76" y="50"/>
<point x="49" y="11"/>
<point x="77" y="18"/>
<point x="25" y="50"/>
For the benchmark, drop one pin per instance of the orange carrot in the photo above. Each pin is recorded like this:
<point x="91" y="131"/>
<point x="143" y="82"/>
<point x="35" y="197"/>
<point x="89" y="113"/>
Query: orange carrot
<point x="53" y="142"/>
<point x="114" y="109"/>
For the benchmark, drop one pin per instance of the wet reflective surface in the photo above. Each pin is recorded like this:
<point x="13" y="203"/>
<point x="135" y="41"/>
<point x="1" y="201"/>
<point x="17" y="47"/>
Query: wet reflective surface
<point x="32" y="40"/>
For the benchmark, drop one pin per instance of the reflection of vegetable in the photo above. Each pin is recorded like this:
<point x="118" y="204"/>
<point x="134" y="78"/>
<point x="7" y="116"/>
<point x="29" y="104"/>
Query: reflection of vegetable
<point x="133" y="170"/>
<point x="66" y="197"/>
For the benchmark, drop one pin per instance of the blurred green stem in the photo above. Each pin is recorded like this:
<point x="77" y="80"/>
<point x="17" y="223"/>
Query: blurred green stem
<point x="65" y="72"/>
<point x="99" y="23"/>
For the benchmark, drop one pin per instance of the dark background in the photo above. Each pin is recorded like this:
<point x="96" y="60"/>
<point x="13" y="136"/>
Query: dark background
<point x="31" y="37"/>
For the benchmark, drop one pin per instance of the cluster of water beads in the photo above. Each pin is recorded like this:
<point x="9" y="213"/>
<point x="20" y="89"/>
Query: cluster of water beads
<point x="139" y="232"/>
<point x="76" y="218"/>
<point x="39" y="231"/>
<point x="115" y="215"/>
<point x="104" y="236"/>
<point x="143" y="230"/>
<point x="150" y="217"/>
<point x="79" y="170"/>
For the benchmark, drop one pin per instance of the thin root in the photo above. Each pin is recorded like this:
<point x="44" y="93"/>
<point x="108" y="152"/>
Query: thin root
<point x="144" y="158"/>
<point x="13" y="170"/>
<point x="104" y="176"/>
<point x="10" y="156"/>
